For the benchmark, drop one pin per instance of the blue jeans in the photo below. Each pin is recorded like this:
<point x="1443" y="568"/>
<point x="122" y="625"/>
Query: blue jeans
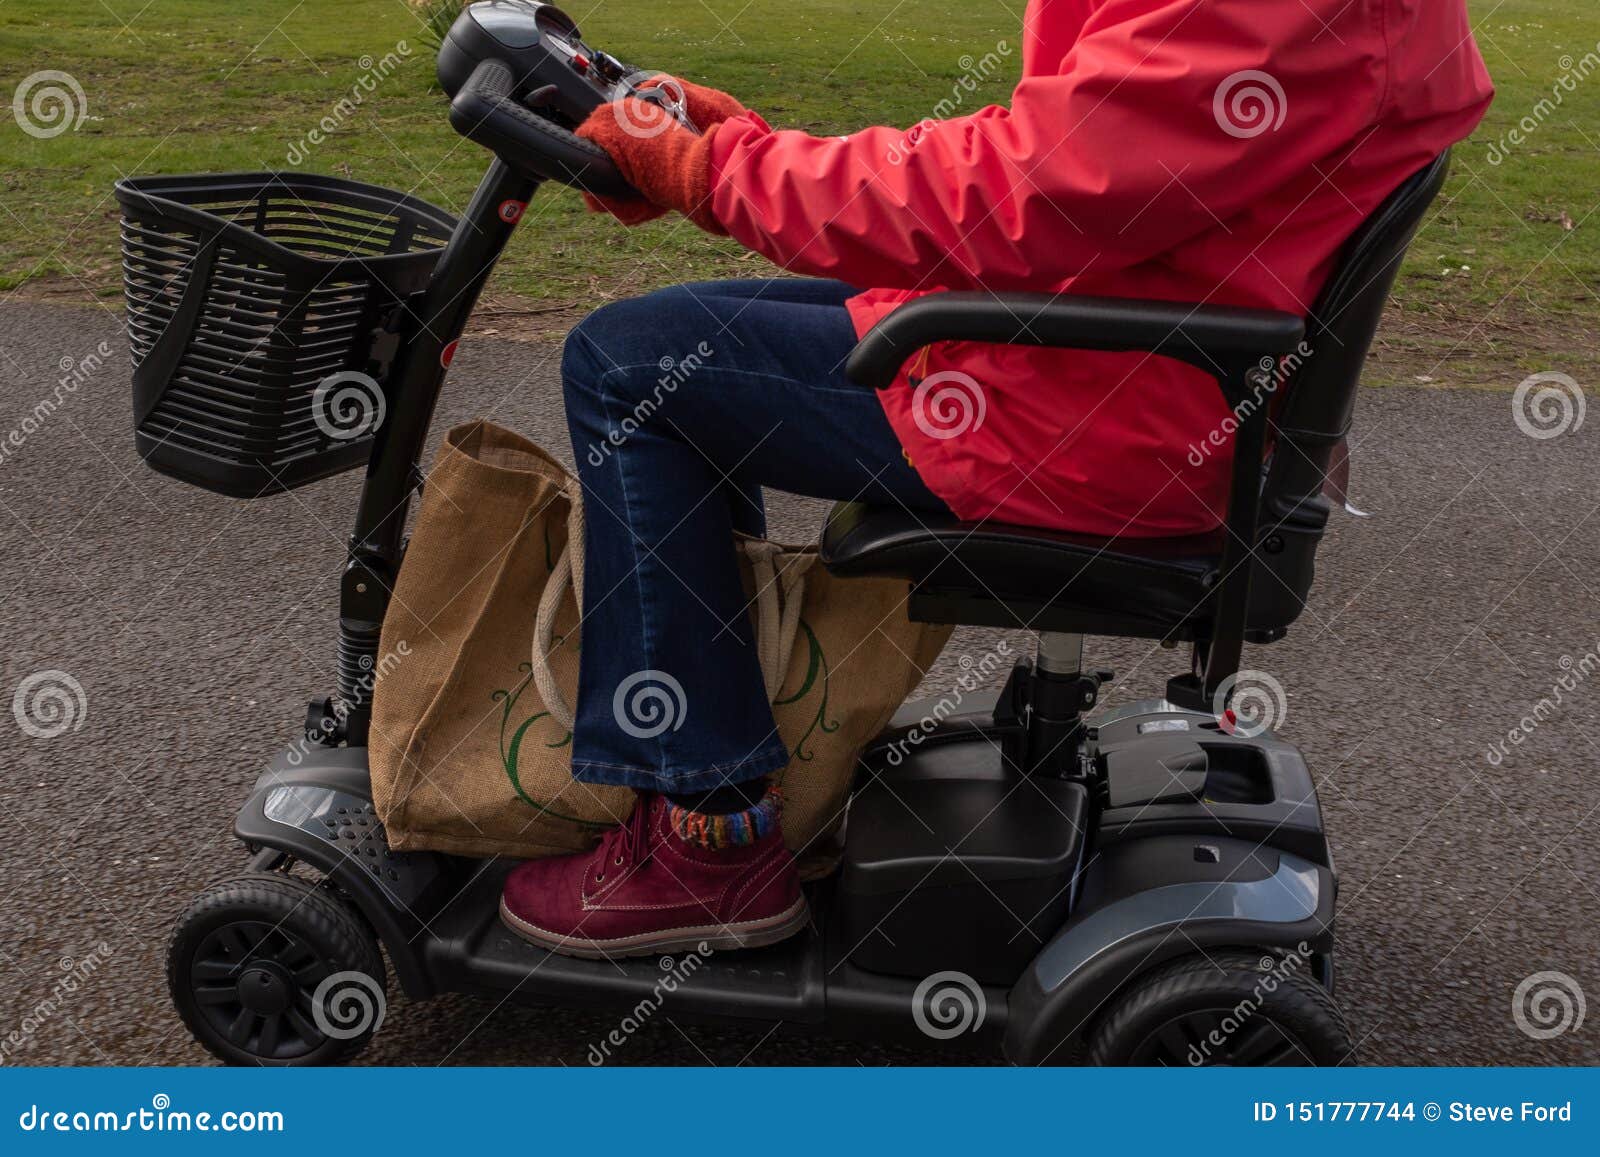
<point x="681" y="405"/>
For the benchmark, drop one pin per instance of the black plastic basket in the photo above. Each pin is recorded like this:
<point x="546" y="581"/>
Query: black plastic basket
<point x="246" y="293"/>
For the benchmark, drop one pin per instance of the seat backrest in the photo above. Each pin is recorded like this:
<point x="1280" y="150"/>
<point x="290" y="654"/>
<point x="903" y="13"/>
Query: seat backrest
<point x="1319" y="394"/>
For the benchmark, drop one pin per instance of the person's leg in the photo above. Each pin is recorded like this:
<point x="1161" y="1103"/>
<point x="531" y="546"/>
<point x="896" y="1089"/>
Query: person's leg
<point x="681" y="406"/>
<point x="801" y="290"/>
<point x="745" y="501"/>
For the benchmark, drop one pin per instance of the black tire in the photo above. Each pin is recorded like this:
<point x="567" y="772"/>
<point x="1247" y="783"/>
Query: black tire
<point x="1224" y="1008"/>
<point x="251" y="956"/>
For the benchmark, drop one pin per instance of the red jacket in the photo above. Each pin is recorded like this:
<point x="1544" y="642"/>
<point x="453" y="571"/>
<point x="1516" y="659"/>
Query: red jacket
<point x="1213" y="151"/>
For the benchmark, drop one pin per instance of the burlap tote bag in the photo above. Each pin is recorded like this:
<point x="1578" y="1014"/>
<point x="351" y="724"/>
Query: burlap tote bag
<point x="471" y="730"/>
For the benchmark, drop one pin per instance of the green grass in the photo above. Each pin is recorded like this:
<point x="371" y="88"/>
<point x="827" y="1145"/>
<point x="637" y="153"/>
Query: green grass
<point x="191" y="85"/>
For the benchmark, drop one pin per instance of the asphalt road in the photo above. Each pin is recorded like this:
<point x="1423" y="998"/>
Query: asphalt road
<point x="198" y="626"/>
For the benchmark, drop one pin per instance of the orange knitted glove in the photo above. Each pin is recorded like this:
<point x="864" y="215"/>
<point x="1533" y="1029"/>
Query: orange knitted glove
<point x="669" y="165"/>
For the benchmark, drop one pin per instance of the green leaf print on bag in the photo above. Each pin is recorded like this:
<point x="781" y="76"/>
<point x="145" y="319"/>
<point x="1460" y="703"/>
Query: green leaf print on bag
<point x="816" y="673"/>
<point x="510" y="748"/>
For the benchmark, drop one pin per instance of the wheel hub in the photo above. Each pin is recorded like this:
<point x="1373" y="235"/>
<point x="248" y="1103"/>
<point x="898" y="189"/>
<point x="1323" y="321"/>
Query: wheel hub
<point x="262" y="990"/>
<point x="253" y="983"/>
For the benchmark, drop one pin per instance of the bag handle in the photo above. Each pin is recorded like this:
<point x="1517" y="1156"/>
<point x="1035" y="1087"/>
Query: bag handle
<point x="779" y="599"/>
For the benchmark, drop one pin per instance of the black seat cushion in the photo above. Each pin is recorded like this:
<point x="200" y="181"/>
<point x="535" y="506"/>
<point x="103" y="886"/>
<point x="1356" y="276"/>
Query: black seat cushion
<point x="994" y="574"/>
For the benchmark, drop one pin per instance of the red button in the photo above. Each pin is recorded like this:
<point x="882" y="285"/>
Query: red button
<point x="580" y="62"/>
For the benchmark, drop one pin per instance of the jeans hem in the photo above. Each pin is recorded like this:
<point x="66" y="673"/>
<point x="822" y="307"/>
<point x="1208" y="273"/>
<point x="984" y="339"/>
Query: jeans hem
<point x="646" y="779"/>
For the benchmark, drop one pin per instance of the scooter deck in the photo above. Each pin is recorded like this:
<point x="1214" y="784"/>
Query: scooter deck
<point x="439" y="917"/>
<point x="468" y="949"/>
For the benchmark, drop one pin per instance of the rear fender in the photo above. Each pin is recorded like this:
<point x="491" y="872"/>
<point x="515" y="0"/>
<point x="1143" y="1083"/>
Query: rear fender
<point x="1142" y="907"/>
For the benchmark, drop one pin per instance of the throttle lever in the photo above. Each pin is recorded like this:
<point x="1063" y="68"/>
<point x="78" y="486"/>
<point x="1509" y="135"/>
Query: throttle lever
<point x="675" y="104"/>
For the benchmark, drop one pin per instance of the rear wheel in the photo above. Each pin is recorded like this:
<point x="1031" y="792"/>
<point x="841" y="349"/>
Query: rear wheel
<point x="1225" y="1008"/>
<point x="266" y="969"/>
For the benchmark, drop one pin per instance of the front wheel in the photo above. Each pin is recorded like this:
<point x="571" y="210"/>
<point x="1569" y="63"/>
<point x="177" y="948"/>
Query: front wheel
<point x="1224" y="1008"/>
<point x="266" y="969"/>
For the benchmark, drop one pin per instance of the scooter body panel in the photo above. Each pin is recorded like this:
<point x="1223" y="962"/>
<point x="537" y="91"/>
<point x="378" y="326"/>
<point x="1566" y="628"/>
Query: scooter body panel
<point x="316" y="805"/>
<point x="1142" y="906"/>
<point x="1123" y="891"/>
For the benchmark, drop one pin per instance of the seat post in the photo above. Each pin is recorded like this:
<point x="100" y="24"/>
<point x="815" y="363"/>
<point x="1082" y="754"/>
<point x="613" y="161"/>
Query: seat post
<point x="1059" y="653"/>
<point x="1059" y="691"/>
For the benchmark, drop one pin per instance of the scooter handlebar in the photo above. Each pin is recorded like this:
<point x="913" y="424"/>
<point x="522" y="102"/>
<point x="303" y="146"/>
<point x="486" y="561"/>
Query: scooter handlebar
<point x="485" y="111"/>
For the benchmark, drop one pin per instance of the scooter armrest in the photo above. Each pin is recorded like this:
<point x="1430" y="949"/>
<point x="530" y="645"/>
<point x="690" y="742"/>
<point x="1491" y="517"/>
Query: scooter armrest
<point x="1214" y="338"/>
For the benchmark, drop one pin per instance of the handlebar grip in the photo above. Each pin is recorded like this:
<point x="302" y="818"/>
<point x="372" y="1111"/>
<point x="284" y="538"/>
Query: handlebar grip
<point x="485" y="111"/>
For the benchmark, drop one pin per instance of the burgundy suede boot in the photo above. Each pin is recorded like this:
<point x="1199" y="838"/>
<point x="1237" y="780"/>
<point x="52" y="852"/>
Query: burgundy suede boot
<point x="647" y="889"/>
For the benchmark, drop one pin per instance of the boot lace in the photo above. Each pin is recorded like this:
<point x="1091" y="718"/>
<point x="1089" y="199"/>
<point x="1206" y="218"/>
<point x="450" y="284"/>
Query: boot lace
<point x="628" y="845"/>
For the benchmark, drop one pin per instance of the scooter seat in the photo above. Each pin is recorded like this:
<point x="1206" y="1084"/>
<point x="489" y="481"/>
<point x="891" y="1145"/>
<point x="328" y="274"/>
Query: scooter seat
<point x="995" y="574"/>
<point x="989" y="574"/>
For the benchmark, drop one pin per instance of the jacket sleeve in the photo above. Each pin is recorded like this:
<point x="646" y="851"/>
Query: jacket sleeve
<point x="1150" y="132"/>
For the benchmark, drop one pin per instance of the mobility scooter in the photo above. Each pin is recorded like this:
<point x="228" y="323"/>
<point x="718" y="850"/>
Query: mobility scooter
<point x="1145" y="885"/>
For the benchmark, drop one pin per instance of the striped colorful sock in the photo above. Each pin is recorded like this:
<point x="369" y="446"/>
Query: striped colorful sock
<point x="734" y="830"/>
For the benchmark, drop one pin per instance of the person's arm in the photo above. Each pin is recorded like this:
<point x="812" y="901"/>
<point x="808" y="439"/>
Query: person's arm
<point x="1123" y="155"/>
